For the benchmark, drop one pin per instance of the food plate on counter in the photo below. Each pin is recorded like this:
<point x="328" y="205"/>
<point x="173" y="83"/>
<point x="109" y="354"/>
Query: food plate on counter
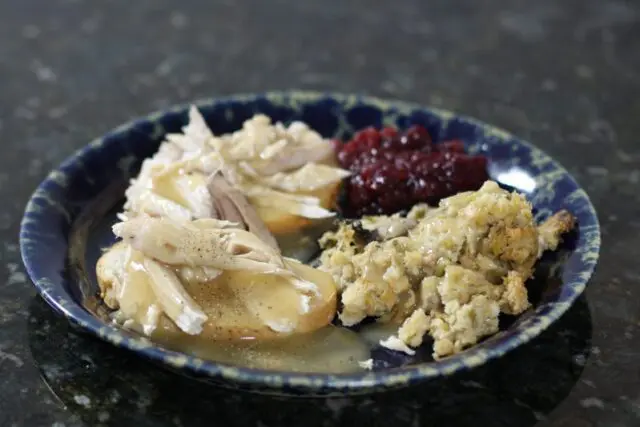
<point x="310" y="244"/>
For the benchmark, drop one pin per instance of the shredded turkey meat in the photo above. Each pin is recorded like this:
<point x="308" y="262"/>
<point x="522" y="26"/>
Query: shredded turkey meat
<point x="144" y="275"/>
<point x="230" y="204"/>
<point x="262" y="164"/>
<point x="196" y="214"/>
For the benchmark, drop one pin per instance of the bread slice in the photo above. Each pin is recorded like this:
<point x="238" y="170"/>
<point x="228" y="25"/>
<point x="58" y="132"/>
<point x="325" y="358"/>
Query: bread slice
<point x="280" y="222"/>
<point x="109" y="272"/>
<point x="239" y="304"/>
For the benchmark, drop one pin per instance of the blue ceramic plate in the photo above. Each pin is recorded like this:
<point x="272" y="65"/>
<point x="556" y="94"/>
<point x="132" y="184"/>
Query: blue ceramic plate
<point x="68" y="220"/>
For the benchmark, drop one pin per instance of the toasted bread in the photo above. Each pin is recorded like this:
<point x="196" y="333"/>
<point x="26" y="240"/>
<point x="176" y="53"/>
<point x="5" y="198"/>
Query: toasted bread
<point x="239" y="304"/>
<point x="108" y="269"/>
<point x="280" y="222"/>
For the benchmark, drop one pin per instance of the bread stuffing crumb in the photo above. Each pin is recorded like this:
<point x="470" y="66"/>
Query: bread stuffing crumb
<point x="413" y="328"/>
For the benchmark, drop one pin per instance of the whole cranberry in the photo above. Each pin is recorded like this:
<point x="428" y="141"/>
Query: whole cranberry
<point x="388" y="132"/>
<point x="369" y="137"/>
<point x="415" y="138"/>
<point x="453" y="146"/>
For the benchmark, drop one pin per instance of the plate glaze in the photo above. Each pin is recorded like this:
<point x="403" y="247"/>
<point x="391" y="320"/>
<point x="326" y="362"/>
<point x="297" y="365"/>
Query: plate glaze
<point x="67" y="222"/>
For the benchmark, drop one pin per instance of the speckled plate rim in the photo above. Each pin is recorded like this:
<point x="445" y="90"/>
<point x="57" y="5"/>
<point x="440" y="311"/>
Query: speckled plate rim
<point x="53" y="292"/>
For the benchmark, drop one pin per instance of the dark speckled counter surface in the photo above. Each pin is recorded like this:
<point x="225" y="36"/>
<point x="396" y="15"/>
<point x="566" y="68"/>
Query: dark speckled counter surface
<point x="562" y="74"/>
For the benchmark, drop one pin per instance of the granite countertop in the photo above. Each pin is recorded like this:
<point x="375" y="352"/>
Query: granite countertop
<point x="564" y="75"/>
